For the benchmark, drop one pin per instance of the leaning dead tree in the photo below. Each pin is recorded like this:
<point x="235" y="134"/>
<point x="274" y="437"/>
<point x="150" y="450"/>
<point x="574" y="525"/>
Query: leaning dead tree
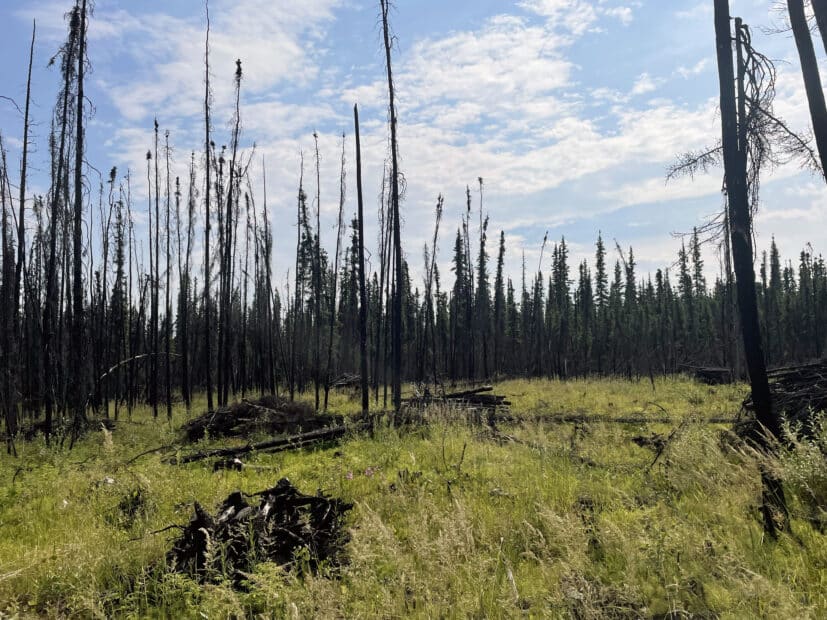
<point x="810" y="73"/>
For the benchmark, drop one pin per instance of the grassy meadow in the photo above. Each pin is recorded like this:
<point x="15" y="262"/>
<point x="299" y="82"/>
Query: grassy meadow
<point x="449" y="519"/>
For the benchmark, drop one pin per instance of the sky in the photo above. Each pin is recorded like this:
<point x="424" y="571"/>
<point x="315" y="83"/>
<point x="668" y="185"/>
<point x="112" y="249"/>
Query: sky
<point x="570" y="111"/>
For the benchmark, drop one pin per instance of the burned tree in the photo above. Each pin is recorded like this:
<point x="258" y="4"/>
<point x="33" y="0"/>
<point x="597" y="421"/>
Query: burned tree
<point x="207" y="277"/>
<point x="396" y="310"/>
<point x="737" y="153"/>
<point x="363" y="297"/>
<point x="812" y="79"/>
<point x="78" y="382"/>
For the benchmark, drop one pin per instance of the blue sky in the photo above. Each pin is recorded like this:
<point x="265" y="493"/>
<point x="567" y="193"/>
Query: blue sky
<point x="571" y="110"/>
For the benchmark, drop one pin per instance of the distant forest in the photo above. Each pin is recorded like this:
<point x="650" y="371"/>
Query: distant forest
<point x="102" y="330"/>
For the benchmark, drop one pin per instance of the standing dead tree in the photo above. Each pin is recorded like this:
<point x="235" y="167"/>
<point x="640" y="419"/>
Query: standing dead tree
<point x="168" y="304"/>
<point x="77" y="366"/>
<point x="363" y="296"/>
<point x="207" y="278"/>
<point x="751" y="137"/>
<point x="396" y="310"/>
<point x="738" y="142"/>
<point x="335" y="278"/>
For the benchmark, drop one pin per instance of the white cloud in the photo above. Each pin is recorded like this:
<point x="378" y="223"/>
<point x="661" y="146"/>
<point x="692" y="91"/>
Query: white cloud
<point x="575" y="16"/>
<point x="504" y="100"/>
<point x="645" y="84"/>
<point x="700" y="10"/>
<point x="687" y="72"/>
<point x="624" y="14"/>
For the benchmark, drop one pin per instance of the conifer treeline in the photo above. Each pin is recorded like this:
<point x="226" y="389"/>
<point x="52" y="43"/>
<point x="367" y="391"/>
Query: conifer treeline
<point x="95" y="329"/>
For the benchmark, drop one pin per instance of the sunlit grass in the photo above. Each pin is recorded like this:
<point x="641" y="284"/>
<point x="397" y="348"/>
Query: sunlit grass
<point x="448" y="520"/>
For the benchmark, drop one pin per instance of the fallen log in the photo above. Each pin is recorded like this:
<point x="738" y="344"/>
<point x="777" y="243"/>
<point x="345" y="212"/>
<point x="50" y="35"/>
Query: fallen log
<point x="580" y="418"/>
<point x="292" y="442"/>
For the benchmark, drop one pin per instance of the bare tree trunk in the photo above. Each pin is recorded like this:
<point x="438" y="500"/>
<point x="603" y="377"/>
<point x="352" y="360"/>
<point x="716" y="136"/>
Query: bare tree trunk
<point x="168" y="310"/>
<point x="154" y="242"/>
<point x="812" y="79"/>
<point x="77" y="356"/>
<point x="820" y="10"/>
<point x="363" y="296"/>
<point x="207" y="326"/>
<point x="270" y="318"/>
<point x="735" y="162"/>
<point x="21" y="229"/>
<point x="243" y="343"/>
<point x="396" y="326"/>
<point x="7" y="404"/>
<point x="317" y="280"/>
<point x="335" y="278"/>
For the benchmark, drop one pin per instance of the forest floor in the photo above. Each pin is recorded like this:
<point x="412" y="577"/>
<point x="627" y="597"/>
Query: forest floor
<point x="449" y="520"/>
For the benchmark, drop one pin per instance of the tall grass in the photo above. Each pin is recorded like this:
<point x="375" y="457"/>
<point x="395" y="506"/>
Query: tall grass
<point x="450" y="520"/>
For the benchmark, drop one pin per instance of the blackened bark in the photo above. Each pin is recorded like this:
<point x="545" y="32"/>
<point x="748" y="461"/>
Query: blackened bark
<point x="396" y="320"/>
<point x="812" y="79"/>
<point x="733" y="139"/>
<point x="207" y="317"/>
<point x="77" y="356"/>
<point x="363" y="296"/>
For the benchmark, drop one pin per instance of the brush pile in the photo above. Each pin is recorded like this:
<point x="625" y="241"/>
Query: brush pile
<point x="797" y="392"/>
<point x="272" y="415"/>
<point x="477" y="398"/>
<point x="299" y="532"/>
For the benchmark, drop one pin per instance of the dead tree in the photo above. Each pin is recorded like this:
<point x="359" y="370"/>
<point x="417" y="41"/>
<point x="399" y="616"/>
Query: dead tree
<point x="168" y="305"/>
<point x="812" y="79"/>
<point x="207" y="325"/>
<point x="7" y="401"/>
<point x="734" y="137"/>
<point x="77" y="365"/>
<point x="317" y="280"/>
<point x="154" y="259"/>
<point x="335" y="282"/>
<point x="396" y="310"/>
<point x="21" y="219"/>
<point x="820" y="11"/>
<point x="363" y="296"/>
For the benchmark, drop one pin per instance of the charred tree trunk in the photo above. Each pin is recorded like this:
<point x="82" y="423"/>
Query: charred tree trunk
<point x="820" y="10"/>
<point x="733" y="139"/>
<point x="317" y="281"/>
<point x="207" y="321"/>
<point x="167" y="305"/>
<point x="77" y="354"/>
<point x="396" y="320"/>
<point x="335" y="282"/>
<point x="812" y="79"/>
<point x="363" y="296"/>
<point x="21" y="229"/>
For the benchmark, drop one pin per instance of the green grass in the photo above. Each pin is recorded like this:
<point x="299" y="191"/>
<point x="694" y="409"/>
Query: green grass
<point x="448" y="521"/>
